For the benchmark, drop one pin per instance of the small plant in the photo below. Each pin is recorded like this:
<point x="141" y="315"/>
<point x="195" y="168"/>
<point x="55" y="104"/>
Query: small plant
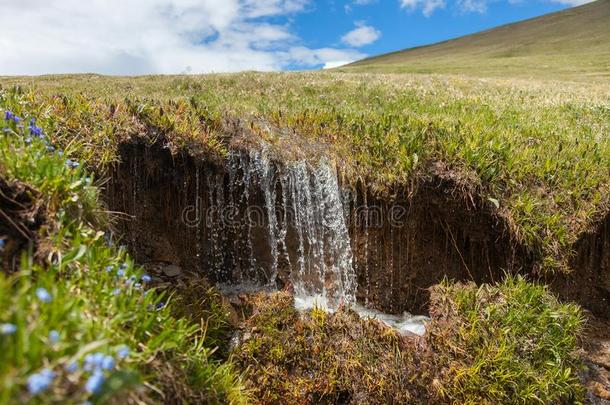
<point x="511" y="343"/>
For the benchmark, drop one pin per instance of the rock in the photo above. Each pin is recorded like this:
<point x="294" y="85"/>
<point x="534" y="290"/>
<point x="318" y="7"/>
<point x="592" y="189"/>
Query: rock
<point x="172" y="270"/>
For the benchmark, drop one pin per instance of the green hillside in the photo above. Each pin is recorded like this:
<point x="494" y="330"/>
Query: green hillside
<point x="569" y="44"/>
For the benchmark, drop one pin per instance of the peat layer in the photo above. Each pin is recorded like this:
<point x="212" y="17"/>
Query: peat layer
<point x="21" y="217"/>
<point x="255" y="220"/>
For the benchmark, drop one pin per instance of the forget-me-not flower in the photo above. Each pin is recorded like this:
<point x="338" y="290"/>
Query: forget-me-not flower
<point x="7" y="329"/>
<point x="41" y="381"/>
<point x="43" y="295"/>
<point x="95" y="382"/>
<point x="53" y="336"/>
<point x="123" y="352"/>
<point x="72" y="367"/>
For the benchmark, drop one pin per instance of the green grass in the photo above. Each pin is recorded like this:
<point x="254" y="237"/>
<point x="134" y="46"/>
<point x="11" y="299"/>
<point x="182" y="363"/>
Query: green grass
<point x="93" y="308"/>
<point x="571" y="44"/>
<point x="512" y="343"/>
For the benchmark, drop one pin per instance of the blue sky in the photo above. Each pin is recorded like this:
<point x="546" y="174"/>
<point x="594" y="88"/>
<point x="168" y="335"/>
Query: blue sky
<point x="404" y="27"/>
<point x="129" y="37"/>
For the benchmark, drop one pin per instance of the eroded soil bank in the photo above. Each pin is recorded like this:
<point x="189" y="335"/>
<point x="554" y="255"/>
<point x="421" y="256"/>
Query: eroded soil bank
<point x="214" y="217"/>
<point x="589" y="283"/>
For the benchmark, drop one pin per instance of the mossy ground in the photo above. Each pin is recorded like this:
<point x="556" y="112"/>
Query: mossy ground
<point x="508" y="343"/>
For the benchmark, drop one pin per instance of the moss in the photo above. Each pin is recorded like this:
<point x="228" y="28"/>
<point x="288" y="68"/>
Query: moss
<point x="321" y="357"/>
<point x="508" y="343"/>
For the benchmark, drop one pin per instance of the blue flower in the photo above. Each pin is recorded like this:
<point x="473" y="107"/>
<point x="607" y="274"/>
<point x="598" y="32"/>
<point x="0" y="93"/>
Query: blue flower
<point x="72" y="163"/>
<point x="50" y="148"/>
<point x="109" y="269"/>
<point x="60" y="153"/>
<point x="137" y="286"/>
<point x="7" y="329"/>
<point x="122" y="352"/>
<point x="16" y="119"/>
<point x="108" y="363"/>
<point x="95" y="382"/>
<point x="54" y="336"/>
<point x="116" y="291"/>
<point x="2" y="244"/>
<point x="120" y="272"/>
<point x="72" y="367"/>
<point x="28" y="140"/>
<point x="8" y="115"/>
<point x="146" y="278"/>
<point x="43" y="295"/>
<point x="93" y="361"/>
<point x="40" y="382"/>
<point x="160" y="306"/>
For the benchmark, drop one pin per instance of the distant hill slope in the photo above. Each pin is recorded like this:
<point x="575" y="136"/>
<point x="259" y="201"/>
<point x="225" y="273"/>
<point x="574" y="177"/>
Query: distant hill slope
<point x="573" y="43"/>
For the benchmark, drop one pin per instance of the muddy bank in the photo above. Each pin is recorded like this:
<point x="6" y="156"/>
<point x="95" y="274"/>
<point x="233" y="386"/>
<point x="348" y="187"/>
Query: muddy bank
<point x="589" y="282"/>
<point x="253" y="220"/>
<point x="433" y="233"/>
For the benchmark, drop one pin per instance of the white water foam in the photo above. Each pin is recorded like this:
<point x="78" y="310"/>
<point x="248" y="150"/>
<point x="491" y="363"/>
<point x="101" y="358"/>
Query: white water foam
<point x="404" y="324"/>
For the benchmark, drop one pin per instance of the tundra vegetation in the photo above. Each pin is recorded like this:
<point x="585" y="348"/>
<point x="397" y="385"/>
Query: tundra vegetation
<point x="80" y="320"/>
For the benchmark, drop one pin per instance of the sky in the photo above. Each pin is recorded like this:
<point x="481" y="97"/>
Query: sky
<point x="132" y="37"/>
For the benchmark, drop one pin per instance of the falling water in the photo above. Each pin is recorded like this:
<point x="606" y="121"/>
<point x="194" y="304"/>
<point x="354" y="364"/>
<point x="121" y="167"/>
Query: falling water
<point x="299" y="230"/>
<point x="288" y="224"/>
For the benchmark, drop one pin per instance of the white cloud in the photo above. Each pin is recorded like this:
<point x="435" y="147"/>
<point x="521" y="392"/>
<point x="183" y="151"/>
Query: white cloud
<point x="472" y="6"/>
<point x="153" y="36"/>
<point x="428" y="6"/>
<point x="572" y="2"/>
<point x="361" y="35"/>
<point x="337" y="63"/>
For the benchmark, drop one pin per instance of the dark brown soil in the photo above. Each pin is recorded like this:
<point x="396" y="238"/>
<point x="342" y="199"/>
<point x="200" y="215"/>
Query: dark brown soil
<point x="21" y="215"/>
<point x="596" y="356"/>
<point x="589" y="282"/>
<point x="434" y="233"/>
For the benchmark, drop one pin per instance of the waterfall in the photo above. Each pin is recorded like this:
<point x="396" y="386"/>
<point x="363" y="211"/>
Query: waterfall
<point x="298" y="228"/>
